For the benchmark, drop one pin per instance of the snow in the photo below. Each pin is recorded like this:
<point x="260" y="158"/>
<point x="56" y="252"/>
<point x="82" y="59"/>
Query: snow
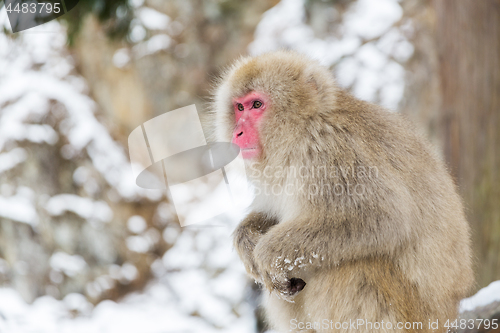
<point x="136" y="3"/>
<point x="121" y="58"/>
<point x="187" y="299"/>
<point x="70" y="265"/>
<point x="147" y="32"/>
<point x="32" y="92"/>
<point x="81" y="175"/>
<point x="151" y="312"/>
<point x="145" y="239"/>
<point x="84" y="207"/>
<point x="12" y="158"/>
<point x="149" y="20"/>
<point x="152" y="19"/>
<point x="129" y="271"/>
<point x="12" y="121"/>
<point x="137" y="33"/>
<point x="19" y="207"/>
<point x="158" y="309"/>
<point x="138" y="244"/>
<point x="170" y="235"/>
<point x="369" y="19"/>
<point x="136" y="224"/>
<point x="154" y="44"/>
<point x="483" y="297"/>
<point x="77" y="302"/>
<point x="393" y="42"/>
<point x="157" y="43"/>
<point x="84" y="131"/>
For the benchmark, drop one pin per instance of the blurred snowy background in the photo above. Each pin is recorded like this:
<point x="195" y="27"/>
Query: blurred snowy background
<point x="82" y="248"/>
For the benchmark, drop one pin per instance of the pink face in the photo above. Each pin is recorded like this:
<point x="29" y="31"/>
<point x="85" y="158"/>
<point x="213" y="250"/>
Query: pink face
<point x="248" y="111"/>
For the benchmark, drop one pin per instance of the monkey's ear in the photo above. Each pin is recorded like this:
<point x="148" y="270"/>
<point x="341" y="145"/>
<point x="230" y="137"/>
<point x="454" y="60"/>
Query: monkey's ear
<point x="311" y="81"/>
<point x="310" y="78"/>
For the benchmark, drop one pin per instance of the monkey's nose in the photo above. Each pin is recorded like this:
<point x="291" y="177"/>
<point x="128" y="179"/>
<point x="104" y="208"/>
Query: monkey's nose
<point x="239" y="134"/>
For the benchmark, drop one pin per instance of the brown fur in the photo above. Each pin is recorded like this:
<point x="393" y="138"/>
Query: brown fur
<point x="399" y="251"/>
<point x="246" y="237"/>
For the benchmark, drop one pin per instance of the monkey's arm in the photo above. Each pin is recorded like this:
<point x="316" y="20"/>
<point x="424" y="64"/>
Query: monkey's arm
<point x="246" y="236"/>
<point x="294" y="249"/>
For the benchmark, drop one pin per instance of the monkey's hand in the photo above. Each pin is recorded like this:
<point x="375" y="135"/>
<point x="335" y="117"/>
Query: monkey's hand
<point x="244" y="243"/>
<point x="281" y="262"/>
<point x="246" y="236"/>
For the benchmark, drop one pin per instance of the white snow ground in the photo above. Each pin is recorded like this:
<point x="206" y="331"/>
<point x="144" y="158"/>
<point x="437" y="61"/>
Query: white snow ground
<point x="483" y="297"/>
<point x="166" y="305"/>
<point x="156" y="310"/>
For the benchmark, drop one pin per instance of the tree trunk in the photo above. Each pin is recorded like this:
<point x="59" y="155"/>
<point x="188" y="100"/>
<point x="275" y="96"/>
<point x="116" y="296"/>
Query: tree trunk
<point x="468" y="41"/>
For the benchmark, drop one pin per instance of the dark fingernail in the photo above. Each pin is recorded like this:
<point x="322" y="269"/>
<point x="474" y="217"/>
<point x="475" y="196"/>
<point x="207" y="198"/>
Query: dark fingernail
<point x="296" y="285"/>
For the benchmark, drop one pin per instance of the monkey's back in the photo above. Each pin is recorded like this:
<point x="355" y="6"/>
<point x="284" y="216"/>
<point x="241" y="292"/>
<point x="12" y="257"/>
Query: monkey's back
<point x="425" y="276"/>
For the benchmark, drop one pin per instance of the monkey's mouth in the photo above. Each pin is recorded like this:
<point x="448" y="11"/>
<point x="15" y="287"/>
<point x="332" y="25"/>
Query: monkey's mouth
<point x="250" y="152"/>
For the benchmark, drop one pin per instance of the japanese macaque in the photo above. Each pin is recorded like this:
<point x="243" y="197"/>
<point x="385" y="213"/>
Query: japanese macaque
<point x="355" y="218"/>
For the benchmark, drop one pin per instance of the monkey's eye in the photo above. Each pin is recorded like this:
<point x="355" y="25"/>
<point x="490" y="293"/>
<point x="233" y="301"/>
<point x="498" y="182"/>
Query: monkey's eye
<point x="240" y="107"/>
<point x="257" y="104"/>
